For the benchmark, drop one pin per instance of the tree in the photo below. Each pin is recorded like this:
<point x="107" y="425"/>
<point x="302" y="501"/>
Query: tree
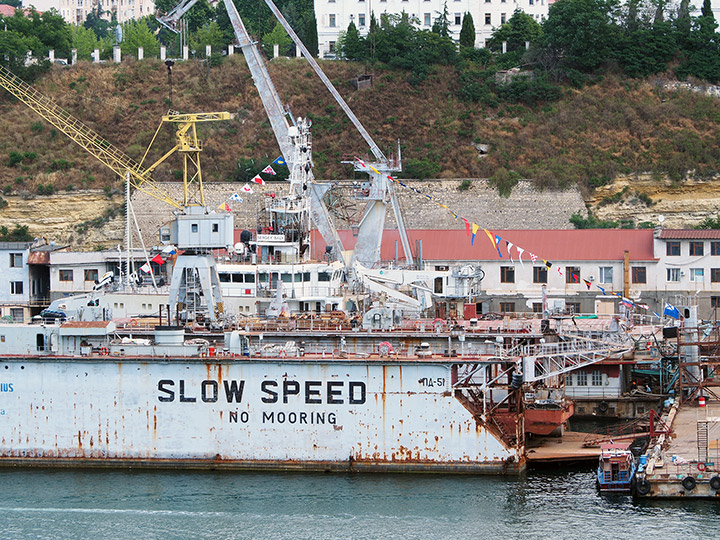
<point x="581" y="32"/>
<point x="137" y="34"/>
<point x="520" y="28"/>
<point x="85" y="41"/>
<point x="441" y="25"/>
<point x="210" y="34"/>
<point x="467" y="32"/>
<point x="280" y="37"/>
<point x="311" y="35"/>
<point x="352" y="46"/>
<point x="96" y="23"/>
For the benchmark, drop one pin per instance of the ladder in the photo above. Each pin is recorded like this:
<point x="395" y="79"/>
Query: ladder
<point x="702" y="442"/>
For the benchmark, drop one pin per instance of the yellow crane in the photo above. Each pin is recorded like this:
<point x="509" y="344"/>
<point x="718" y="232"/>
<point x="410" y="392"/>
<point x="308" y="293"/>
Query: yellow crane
<point x="195" y="284"/>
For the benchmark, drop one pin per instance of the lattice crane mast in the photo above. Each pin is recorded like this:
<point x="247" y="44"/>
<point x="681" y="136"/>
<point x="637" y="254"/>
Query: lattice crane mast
<point x="195" y="287"/>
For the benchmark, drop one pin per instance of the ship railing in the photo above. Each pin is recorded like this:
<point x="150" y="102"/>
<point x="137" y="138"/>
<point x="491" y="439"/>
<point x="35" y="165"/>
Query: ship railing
<point x="594" y="392"/>
<point x="697" y="469"/>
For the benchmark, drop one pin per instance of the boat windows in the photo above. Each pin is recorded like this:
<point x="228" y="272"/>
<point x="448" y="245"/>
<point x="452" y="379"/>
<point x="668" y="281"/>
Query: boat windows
<point x="323" y="276"/>
<point x="297" y="278"/>
<point x="306" y="276"/>
<point x="286" y="278"/>
<point x="581" y="378"/>
<point x="263" y="277"/>
<point x="224" y="278"/>
<point x="597" y="378"/>
<point x="249" y="278"/>
<point x="237" y="278"/>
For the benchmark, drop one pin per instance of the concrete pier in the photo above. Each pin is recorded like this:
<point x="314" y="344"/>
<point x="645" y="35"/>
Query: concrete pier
<point x="687" y="462"/>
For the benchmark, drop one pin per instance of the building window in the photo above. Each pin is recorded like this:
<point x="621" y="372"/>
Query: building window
<point x="507" y="274"/>
<point x="91" y="275"/>
<point x="531" y="2"/>
<point x="361" y="19"/>
<point x="17" y="314"/>
<point x="539" y="274"/>
<point x="427" y="19"/>
<point x="507" y="307"/>
<point x="487" y="19"/>
<point x="331" y="46"/>
<point x="572" y="307"/>
<point x="572" y="274"/>
<point x="639" y="274"/>
<point x="66" y="275"/>
<point x="537" y="307"/>
<point x="581" y="378"/>
<point x="458" y="18"/>
<point x="596" y="378"/>
<point x="696" y="249"/>
<point x="673" y="274"/>
<point x="332" y="20"/>
<point x="16" y="287"/>
<point x="715" y="275"/>
<point x="16" y="260"/>
<point x="715" y="301"/>
<point x="502" y="18"/>
<point x="714" y="248"/>
<point x="606" y="275"/>
<point x="672" y="249"/>
<point x="697" y="274"/>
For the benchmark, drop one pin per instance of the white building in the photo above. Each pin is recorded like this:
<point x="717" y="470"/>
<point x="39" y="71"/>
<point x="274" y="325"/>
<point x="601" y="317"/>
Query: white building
<point x="649" y="267"/>
<point x="334" y="16"/>
<point x="76" y="11"/>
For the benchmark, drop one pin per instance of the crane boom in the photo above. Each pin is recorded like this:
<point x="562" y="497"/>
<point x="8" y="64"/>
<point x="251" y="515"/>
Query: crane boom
<point x="105" y="152"/>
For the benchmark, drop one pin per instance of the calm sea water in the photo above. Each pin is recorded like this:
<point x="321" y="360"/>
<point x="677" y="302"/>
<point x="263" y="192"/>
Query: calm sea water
<point x="43" y="504"/>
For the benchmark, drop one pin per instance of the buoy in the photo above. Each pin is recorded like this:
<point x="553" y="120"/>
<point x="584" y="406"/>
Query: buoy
<point x="104" y="351"/>
<point x="701" y="401"/>
<point x="385" y="348"/>
<point x="603" y="407"/>
<point x="701" y="467"/>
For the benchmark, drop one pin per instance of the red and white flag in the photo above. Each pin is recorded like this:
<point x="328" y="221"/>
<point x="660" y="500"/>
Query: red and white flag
<point x="269" y="170"/>
<point x="258" y="180"/>
<point x="157" y="259"/>
<point x="146" y="268"/>
<point x="246" y="189"/>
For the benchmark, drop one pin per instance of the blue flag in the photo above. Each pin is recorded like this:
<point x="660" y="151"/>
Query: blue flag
<point x="279" y="161"/>
<point x="671" y="311"/>
<point x="599" y="287"/>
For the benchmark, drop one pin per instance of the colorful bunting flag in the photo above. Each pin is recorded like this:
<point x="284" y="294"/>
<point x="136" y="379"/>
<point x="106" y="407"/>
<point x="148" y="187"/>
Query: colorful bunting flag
<point x="520" y="253"/>
<point x="157" y="259"/>
<point x="560" y="270"/>
<point x="269" y="170"/>
<point x="235" y="197"/>
<point x="587" y="283"/>
<point x="497" y="245"/>
<point x="474" y="231"/>
<point x="547" y="264"/>
<point x="169" y="250"/>
<point x="492" y="239"/>
<point x="279" y="161"/>
<point x="246" y="189"/>
<point x="533" y="257"/>
<point x="509" y="246"/>
<point x="258" y="180"/>
<point x="467" y="226"/>
<point x="599" y="287"/>
<point x="671" y="311"/>
<point x="146" y="268"/>
<point x="225" y="206"/>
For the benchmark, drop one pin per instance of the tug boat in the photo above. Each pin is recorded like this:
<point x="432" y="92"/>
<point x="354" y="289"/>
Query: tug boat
<point x="616" y="469"/>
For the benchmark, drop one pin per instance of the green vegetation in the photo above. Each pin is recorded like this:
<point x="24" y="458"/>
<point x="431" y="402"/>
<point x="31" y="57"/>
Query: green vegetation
<point x="21" y="233"/>
<point x="710" y="223"/>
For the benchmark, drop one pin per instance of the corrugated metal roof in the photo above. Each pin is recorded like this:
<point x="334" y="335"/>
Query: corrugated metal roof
<point x="690" y="234"/>
<point x="552" y="245"/>
<point x="39" y="257"/>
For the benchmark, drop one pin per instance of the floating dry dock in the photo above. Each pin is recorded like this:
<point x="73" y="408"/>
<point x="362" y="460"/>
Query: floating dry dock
<point x="686" y="461"/>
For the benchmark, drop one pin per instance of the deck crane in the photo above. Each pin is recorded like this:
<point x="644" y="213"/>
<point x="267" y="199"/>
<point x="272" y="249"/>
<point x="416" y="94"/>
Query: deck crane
<point x="195" y="287"/>
<point x="293" y="136"/>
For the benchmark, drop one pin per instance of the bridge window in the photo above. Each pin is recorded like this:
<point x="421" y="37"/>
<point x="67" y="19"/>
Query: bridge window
<point x="581" y="378"/>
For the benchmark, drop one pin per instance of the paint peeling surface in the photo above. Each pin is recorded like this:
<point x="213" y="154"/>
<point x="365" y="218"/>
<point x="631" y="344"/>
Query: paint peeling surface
<point x="265" y="413"/>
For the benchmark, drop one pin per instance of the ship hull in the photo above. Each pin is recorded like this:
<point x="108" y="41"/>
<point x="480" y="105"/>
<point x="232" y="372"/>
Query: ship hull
<point x="242" y="414"/>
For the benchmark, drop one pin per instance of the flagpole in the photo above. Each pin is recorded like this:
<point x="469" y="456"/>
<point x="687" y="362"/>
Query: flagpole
<point x="127" y="227"/>
<point x="142" y="243"/>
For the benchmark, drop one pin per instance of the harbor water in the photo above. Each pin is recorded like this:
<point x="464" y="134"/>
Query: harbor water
<point x="73" y="504"/>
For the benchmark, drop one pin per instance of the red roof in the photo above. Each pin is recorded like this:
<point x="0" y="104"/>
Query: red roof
<point x="8" y="10"/>
<point x="690" y="234"/>
<point x="552" y="245"/>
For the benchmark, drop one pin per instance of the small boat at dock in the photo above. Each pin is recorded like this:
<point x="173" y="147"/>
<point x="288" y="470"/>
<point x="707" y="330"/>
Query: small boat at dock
<point x="616" y="468"/>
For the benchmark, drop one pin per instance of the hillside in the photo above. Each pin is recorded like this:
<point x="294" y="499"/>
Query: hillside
<point x="636" y="132"/>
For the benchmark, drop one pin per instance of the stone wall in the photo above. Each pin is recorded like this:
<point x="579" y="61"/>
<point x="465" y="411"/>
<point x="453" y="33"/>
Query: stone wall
<point x="526" y="208"/>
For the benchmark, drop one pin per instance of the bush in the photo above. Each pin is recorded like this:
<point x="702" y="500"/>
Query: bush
<point x="504" y="181"/>
<point x="14" y="158"/>
<point x="421" y="169"/>
<point x="47" y="189"/>
<point x="529" y="91"/>
<point x="3" y="203"/>
<point x="591" y="222"/>
<point x="465" y="185"/>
